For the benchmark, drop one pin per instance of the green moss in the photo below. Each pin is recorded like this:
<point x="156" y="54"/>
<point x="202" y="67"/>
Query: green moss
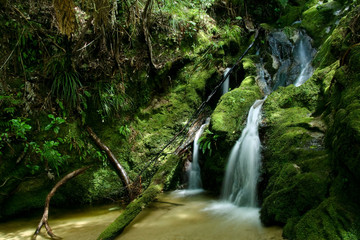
<point x="318" y="18"/>
<point x="30" y="195"/>
<point x="230" y="113"/>
<point x="332" y="48"/>
<point x="161" y="179"/>
<point x="296" y="166"/>
<point x="354" y="58"/>
<point x="306" y="191"/>
<point x="292" y="13"/>
<point x="331" y="220"/>
<point x="249" y="66"/>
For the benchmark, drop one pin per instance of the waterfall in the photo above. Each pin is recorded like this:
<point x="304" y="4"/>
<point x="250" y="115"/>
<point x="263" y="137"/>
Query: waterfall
<point x="281" y="49"/>
<point x="225" y="85"/>
<point x="304" y="53"/>
<point x="242" y="170"/>
<point x="194" y="172"/>
<point x="292" y="59"/>
<point x="263" y="78"/>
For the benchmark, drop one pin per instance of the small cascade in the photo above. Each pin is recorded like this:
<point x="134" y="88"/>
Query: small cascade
<point x="225" y="85"/>
<point x="304" y="53"/>
<point x="242" y="170"/>
<point x="263" y="78"/>
<point x="194" y="172"/>
<point x="292" y="59"/>
<point x="281" y="49"/>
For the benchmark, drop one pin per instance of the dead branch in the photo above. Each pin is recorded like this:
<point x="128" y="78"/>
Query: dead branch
<point x="44" y="219"/>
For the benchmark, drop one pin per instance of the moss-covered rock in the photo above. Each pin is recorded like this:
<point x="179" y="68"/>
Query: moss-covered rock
<point x="311" y="162"/>
<point x="296" y="168"/>
<point x="231" y="111"/>
<point x="307" y="190"/>
<point x="30" y="195"/>
<point x="318" y="19"/>
<point x="332" y="219"/>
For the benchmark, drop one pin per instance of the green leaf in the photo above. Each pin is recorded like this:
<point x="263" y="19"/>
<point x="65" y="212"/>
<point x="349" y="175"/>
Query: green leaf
<point x="48" y="127"/>
<point x="87" y="93"/>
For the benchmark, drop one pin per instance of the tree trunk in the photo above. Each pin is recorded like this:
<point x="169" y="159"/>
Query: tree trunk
<point x="44" y="219"/>
<point x="145" y="25"/>
<point x="119" y="169"/>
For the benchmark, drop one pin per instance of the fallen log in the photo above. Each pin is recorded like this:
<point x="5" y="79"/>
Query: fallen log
<point x="162" y="177"/>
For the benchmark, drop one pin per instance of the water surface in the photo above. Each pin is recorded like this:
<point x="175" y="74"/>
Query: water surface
<point x="79" y="224"/>
<point x="183" y="216"/>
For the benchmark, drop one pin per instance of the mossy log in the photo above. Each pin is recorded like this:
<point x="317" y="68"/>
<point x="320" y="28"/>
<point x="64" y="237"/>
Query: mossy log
<point x="161" y="179"/>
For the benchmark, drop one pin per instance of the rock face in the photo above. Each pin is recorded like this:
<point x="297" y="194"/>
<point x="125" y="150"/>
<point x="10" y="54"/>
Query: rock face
<point x="311" y="134"/>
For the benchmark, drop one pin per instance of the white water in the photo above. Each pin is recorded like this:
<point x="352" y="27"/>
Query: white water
<point x="194" y="172"/>
<point x="242" y="170"/>
<point x="304" y="54"/>
<point x="225" y="85"/>
<point x="292" y="59"/>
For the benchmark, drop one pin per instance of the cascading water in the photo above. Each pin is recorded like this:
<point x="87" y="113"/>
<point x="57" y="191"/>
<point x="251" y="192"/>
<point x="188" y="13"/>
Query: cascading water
<point x="194" y="172"/>
<point x="225" y="85"/>
<point x="281" y="49"/>
<point x="304" y="53"/>
<point x="292" y="59"/>
<point x="244" y="162"/>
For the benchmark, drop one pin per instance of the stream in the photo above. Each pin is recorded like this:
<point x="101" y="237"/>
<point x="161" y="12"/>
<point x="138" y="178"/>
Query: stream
<point x="79" y="224"/>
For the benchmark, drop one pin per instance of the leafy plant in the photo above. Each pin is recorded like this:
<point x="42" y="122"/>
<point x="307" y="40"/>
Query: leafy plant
<point x="52" y="156"/>
<point x="55" y="121"/>
<point x="207" y="141"/>
<point x="124" y="130"/>
<point x="19" y="127"/>
<point x="33" y="168"/>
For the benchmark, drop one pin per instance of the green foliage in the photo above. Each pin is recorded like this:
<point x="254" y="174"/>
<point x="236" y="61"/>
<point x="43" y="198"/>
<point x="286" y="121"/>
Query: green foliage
<point x="55" y="121"/>
<point x="112" y="99"/>
<point x="207" y="141"/>
<point x="124" y="131"/>
<point x="52" y="156"/>
<point x="16" y="127"/>
<point x="19" y="127"/>
<point x="66" y="81"/>
<point x="103" y="185"/>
